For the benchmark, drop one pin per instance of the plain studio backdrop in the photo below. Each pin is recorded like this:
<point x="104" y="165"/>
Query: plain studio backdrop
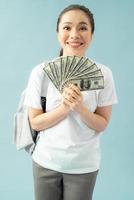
<point x="28" y="37"/>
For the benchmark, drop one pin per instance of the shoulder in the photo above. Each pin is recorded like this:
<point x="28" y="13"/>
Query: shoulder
<point x="38" y="72"/>
<point x="38" y="69"/>
<point x="106" y="71"/>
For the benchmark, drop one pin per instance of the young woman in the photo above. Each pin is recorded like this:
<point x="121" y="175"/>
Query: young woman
<point x="66" y="159"/>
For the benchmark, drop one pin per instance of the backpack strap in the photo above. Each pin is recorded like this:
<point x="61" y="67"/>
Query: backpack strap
<point x="44" y="87"/>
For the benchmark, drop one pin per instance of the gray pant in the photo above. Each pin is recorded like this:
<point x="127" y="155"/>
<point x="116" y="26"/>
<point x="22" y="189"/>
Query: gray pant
<point x="53" y="185"/>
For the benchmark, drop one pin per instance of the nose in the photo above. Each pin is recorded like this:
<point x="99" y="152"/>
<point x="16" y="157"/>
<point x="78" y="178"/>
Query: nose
<point x="74" y="34"/>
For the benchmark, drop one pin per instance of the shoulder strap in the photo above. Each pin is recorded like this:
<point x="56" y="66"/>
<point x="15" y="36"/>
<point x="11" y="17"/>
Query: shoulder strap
<point x="44" y="87"/>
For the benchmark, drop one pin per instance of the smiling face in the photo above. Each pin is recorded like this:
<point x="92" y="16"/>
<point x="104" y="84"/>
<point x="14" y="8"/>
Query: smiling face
<point x="74" y="33"/>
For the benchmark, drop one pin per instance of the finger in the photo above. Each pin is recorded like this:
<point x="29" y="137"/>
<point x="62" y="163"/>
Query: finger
<point x="68" y="97"/>
<point x="70" y="92"/>
<point x="75" y="88"/>
<point x="67" y="102"/>
<point x="72" y="87"/>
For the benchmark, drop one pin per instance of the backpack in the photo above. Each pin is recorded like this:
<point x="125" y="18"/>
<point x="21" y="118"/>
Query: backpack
<point x="24" y="136"/>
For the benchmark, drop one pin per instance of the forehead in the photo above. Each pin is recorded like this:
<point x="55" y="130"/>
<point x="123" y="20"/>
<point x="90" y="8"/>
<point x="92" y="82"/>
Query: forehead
<point x="75" y="16"/>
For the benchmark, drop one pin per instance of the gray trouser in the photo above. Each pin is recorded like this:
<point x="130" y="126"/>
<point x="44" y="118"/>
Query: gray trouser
<point x="53" y="185"/>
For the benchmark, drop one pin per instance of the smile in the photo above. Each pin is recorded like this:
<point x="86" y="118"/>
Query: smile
<point x="74" y="44"/>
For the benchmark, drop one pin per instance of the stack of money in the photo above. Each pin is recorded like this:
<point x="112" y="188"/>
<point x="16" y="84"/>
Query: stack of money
<point x="80" y="71"/>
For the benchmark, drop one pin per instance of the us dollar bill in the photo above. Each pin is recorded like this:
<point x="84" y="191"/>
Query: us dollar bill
<point x="57" y="70"/>
<point x="61" y="67"/>
<point x="87" y="67"/>
<point x="50" y="73"/>
<point x="93" y="83"/>
<point x="96" y="73"/>
<point x="76" y="63"/>
<point x="71" y="62"/>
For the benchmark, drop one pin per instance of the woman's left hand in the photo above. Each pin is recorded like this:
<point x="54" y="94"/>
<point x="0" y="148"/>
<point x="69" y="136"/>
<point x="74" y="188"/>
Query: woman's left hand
<point x="72" y="97"/>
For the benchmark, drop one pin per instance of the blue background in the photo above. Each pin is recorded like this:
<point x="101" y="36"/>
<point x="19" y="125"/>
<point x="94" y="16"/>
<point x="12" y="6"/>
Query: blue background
<point x="27" y="37"/>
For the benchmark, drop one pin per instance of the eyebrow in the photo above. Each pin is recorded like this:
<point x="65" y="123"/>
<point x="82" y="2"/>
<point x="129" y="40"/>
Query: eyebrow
<point x="82" y="22"/>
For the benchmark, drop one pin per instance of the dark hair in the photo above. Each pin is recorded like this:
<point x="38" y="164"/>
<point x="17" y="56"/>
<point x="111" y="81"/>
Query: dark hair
<point x="77" y="7"/>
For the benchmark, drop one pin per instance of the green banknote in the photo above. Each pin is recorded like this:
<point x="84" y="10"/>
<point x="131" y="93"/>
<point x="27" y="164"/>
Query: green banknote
<point x="93" y="83"/>
<point x="80" y="71"/>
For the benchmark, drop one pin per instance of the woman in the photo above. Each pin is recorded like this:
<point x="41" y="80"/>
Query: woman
<point x="67" y="155"/>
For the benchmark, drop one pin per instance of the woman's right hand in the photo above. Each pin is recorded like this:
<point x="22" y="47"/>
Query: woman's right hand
<point x="72" y="97"/>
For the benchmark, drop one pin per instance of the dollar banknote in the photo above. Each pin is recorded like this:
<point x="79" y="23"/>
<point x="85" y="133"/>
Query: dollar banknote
<point x="81" y="71"/>
<point x="92" y="83"/>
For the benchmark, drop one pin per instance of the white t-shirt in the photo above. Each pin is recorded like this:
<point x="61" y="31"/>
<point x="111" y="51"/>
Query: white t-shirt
<point x="69" y="146"/>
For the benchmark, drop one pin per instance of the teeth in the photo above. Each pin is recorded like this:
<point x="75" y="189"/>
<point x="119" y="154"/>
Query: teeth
<point x="75" y="43"/>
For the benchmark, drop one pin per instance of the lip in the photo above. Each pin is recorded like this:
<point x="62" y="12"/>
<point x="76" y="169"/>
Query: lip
<point x="74" y="44"/>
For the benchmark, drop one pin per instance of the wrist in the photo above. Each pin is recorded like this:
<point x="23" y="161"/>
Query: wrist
<point x="81" y="109"/>
<point x="65" y="108"/>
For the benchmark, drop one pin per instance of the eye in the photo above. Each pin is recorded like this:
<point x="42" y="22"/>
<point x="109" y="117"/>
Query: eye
<point x="66" y="28"/>
<point x="83" y="28"/>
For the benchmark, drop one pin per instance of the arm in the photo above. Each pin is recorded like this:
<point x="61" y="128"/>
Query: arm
<point x="98" y="120"/>
<point x="40" y="120"/>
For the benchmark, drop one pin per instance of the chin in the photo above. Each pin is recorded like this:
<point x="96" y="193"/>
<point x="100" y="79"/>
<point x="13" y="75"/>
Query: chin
<point x="78" y="54"/>
<point x="74" y="53"/>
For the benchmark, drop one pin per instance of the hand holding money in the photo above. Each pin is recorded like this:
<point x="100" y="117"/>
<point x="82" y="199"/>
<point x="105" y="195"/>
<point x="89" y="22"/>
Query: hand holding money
<point x="72" y="97"/>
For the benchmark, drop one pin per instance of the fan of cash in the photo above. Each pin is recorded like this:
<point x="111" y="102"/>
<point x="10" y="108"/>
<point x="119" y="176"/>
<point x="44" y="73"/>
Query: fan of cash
<point x="80" y="71"/>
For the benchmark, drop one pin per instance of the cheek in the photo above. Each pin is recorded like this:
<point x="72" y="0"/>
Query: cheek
<point x="88" y="38"/>
<point x="62" y="37"/>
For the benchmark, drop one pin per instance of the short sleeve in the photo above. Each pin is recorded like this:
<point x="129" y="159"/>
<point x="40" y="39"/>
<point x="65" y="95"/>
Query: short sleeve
<point x="107" y="96"/>
<point x="33" y="90"/>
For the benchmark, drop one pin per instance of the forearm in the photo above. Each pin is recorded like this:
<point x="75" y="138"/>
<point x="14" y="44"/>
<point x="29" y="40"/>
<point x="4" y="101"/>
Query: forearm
<point x="92" y="120"/>
<point x="49" y="119"/>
